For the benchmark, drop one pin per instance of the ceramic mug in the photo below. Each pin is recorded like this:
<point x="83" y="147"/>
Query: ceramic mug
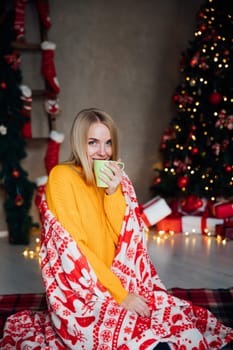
<point x="100" y="164"/>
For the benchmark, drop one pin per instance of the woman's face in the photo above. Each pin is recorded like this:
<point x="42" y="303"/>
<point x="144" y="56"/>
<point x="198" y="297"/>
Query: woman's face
<point x="99" y="142"/>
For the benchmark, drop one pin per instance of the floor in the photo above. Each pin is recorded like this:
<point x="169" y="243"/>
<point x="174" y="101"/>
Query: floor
<point x="193" y="261"/>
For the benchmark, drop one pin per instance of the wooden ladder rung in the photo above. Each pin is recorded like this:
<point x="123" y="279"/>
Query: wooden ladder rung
<point x="25" y="46"/>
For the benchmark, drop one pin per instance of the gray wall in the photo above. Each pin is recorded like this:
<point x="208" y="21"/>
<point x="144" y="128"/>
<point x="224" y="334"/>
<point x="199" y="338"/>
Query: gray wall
<point x="121" y="56"/>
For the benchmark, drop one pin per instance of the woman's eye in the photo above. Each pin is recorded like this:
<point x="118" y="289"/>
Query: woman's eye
<point x="109" y="142"/>
<point x="92" y="142"/>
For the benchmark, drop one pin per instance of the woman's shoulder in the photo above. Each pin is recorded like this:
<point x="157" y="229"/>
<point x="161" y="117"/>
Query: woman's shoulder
<point x="65" y="169"/>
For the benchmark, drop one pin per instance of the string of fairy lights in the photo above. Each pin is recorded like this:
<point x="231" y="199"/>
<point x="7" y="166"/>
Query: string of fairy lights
<point x="33" y="252"/>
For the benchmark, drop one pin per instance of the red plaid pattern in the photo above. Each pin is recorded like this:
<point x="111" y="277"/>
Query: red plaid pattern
<point x="12" y="303"/>
<point x="218" y="301"/>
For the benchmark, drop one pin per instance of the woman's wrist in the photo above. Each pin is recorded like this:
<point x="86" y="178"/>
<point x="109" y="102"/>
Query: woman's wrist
<point x="110" y="191"/>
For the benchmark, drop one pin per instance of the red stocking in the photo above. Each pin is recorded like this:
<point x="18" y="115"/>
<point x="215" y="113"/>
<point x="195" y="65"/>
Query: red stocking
<point x="40" y="183"/>
<point x="48" y="68"/>
<point x="52" y="152"/>
<point x="43" y="11"/>
<point x="26" y="97"/>
<point x="19" y="22"/>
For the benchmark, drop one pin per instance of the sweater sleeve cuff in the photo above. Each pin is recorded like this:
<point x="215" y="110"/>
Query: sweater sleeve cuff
<point x="121" y="296"/>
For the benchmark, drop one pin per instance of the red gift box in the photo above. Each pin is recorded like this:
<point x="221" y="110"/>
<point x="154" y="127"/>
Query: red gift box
<point x="225" y="231"/>
<point x="228" y="232"/>
<point x="223" y="210"/>
<point x="189" y="223"/>
<point x="170" y="223"/>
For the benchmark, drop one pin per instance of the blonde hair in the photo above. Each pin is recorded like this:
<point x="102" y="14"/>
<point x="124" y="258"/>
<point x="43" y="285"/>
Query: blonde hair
<point x="78" y="139"/>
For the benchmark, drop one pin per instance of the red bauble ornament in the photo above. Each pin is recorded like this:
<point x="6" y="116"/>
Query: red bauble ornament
<point x="191" y="204"/>
<point x="19" y="200"/>
<point x="176" y="98"/>
<point x="157" y="180"/>
<point x="195" y="59"/>
<point x="200" y="14"/>
<point x="163" y="146"/>
<point x="3" y="85"/>
<point x="203" y="27"/>
<point x="166" y="164"/>
<point x="228" y="168"/>
<point x="226" y="52"/>
<point x="215" y="98"/>
<point x="15" y="173"/>
<point x="182" y="181"/>
<point x="195" y="151"/>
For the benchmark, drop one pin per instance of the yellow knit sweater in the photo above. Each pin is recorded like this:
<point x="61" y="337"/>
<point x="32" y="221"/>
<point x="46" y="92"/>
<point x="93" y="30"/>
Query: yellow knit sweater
<point x="92" y="218"/>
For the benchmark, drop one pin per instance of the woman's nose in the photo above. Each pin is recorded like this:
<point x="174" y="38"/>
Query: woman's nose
<point x="102" y="150"/>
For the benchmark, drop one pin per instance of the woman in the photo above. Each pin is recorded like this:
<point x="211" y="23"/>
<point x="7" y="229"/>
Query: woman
<point x="103" y="292"/>
<point x="72" y="185"/>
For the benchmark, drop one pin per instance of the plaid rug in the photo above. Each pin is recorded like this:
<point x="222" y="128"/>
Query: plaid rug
<point x="218" y="301"/>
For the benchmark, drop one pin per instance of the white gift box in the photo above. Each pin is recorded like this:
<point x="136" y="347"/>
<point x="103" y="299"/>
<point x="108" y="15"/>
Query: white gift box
<point x="199" y="224"/>
<point x="155" y="210"/>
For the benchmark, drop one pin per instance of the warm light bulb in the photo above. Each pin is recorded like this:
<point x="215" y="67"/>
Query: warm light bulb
<point x="25" y="253"/>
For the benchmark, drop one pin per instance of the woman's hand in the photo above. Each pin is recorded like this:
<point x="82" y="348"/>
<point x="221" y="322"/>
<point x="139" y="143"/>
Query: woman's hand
<point x="112" y="177"/>
<point x="137" y="304"/>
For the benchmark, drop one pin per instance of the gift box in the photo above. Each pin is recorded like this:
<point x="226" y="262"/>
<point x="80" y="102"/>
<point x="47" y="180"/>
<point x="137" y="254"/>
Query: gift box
<point x="228" y="232"/>
<point x="223" y="210"/>
<point x="225" y="231"/>
<point x="155" y="210"/>
<point x="189" y="223"/>
<point x="170" y="223"/>
<point x="200" y="224"/>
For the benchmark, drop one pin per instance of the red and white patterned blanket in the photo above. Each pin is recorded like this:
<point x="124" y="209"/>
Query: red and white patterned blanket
<point x="82" y="314"/>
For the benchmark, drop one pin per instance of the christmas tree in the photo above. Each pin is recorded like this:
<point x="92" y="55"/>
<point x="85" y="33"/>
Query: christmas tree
<point x="18" y="189"/>
<point x="197" y="148"/>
